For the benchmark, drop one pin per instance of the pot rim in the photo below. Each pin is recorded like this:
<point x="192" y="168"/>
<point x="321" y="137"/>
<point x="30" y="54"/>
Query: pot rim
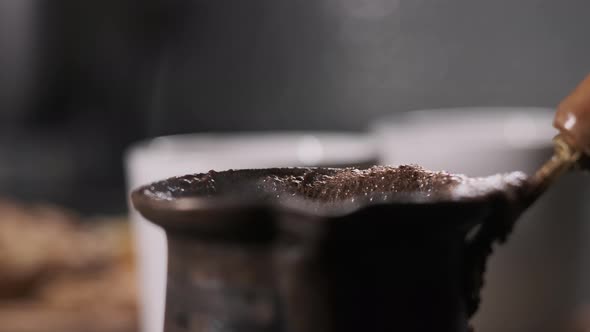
<point x="194" y="212"/>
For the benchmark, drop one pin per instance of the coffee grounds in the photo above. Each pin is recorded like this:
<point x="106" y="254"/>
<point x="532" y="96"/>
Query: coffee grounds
<point x="329" y="186"/>
<point x="375" y="183"/>
<point x="325" y="185"/>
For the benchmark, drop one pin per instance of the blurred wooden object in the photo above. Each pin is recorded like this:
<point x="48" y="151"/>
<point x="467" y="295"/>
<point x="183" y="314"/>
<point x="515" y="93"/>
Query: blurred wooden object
<point x="58" y="273"/>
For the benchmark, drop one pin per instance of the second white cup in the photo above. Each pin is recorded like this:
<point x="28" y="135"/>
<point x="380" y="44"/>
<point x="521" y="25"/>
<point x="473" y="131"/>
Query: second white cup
<point x="533" y="282"/>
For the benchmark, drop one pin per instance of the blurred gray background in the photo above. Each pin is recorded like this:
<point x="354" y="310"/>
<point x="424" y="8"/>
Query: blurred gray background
<point x="81" y="80"/>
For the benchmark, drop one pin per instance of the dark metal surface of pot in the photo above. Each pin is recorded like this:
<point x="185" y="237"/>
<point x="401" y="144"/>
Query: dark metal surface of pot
<point x="253" y="265"/>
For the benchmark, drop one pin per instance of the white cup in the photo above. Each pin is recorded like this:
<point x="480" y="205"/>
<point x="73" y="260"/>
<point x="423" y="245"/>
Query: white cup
<point x="534" y="282"/>
<point x="164" y="157"/>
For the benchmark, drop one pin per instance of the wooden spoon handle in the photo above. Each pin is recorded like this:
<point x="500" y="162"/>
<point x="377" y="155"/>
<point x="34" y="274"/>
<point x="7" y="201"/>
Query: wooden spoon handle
<point x="572" y="145"/>
<point x="573" y="117"/>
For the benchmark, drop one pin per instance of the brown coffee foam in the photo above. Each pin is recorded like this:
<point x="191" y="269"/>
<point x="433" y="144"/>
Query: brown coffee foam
<point x="328" y="185"/>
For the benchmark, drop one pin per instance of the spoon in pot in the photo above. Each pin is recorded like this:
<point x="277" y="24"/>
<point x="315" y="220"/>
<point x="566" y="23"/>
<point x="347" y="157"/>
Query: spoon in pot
<point x="571" y="150"/>
<point x="572" y="144"/>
